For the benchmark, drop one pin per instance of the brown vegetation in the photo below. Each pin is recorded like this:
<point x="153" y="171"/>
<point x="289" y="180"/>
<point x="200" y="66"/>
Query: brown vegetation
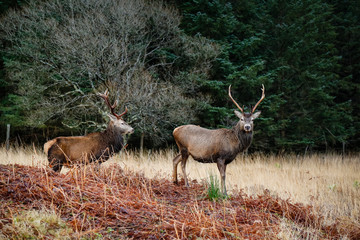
<point x="133" y="206"/>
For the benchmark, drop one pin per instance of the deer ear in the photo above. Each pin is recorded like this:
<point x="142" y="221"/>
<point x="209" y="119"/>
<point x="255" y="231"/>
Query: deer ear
<point x="238" y="114"/>
<point x="112" y="117"/>
<point x="256" y="115"/>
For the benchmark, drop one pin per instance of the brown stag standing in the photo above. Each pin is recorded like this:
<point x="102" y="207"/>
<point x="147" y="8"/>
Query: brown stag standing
<point x="98" y="146"/>
<point x="218" y="146"/>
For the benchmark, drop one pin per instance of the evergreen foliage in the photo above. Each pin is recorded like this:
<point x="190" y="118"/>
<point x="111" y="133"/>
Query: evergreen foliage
<point x="346" y="19"/>
<point x="170" y="70"/>
<point x="291" y="47"/>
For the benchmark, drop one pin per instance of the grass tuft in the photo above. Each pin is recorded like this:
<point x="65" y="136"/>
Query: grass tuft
<point x="36" y="224"/>
<point x="214" y="191"/>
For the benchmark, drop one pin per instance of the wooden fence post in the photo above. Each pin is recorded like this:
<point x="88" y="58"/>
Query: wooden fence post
<point x="7" y="137"/>
<point x="142" y="144"/>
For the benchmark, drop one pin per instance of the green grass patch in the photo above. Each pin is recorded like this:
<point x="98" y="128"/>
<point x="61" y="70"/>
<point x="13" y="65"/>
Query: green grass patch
<point x="35" y="224"/>
<point x="214" y="190"/>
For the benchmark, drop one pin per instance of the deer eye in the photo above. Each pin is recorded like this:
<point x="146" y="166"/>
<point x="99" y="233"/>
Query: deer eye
<point x="241" y="119"/>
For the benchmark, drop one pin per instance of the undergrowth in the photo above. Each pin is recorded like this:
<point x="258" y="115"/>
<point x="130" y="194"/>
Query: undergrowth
<point x="117" y="204"/>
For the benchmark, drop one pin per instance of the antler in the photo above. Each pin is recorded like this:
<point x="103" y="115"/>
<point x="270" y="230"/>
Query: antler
<point x="234" y="100"/>
<point x="262" y="98"/>
<point x="105" y="96"/>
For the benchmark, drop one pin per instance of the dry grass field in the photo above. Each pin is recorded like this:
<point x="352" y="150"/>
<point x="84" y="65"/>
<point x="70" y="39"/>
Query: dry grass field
<point x="329" y="183"/>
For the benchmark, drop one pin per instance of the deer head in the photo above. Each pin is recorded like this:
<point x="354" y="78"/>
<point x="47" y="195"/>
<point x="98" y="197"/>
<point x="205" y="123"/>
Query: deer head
<point x="116" y="120"/>
<point x="246" y="119"/>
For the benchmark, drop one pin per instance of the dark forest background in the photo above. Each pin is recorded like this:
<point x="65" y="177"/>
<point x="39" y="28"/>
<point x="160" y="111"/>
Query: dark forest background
<point x="171" y="62"/>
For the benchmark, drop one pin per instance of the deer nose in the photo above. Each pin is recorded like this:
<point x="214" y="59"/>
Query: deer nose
<point x="247" y="128"/>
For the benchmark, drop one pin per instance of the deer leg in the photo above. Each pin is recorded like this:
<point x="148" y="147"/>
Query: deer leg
<point x="185" y="156"/>
<point x="57" y="167"/>
<point x="97" y="166"/>
<point x="222" y="169"/>
<point x="56" y="157"/>
<point x="176" y="161"/>
<point x="55" y="164"/>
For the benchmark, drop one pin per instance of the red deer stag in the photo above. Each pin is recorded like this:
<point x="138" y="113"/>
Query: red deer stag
<point x="218" y="146"/>
<point x="98" y="146"/>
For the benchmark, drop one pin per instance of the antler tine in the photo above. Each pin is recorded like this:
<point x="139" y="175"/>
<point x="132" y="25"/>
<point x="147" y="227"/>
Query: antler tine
<point x="262" y="98"/>
<point x="105" y="96"/>
<point x="234" y="100"/>
<point x="115" y="104"/>
<point x="126" y="109"/>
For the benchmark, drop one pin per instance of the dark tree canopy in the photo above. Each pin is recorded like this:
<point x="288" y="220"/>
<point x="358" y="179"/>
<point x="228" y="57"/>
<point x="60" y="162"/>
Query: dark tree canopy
<point x="58" y="54"/>
<point x="172" y="63"/>
<point x="293" y="48"/>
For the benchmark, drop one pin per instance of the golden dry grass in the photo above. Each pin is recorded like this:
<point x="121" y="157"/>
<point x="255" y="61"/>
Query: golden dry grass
<point x="328" y="182"/>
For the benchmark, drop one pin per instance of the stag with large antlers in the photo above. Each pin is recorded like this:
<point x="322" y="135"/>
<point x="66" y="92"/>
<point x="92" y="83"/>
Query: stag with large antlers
<point x="219" y="146"/>
<point x="98" y="146"/>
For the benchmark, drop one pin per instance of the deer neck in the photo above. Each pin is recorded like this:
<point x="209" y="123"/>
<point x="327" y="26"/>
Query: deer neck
<point x="244" y="138"/>
<point x="113" y="137"/>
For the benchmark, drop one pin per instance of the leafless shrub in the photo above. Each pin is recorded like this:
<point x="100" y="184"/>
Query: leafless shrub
<point x="60" y="53"/>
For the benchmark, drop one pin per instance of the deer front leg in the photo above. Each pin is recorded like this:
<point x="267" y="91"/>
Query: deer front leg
<point x="183" y="167"/>
<point x="176" y="161"/>
<point x="222" y="169"/>
<point x="55" y="164"/>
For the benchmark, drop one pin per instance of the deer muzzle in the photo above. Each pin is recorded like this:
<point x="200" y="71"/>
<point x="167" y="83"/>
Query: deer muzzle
<point x="247" y="127"/>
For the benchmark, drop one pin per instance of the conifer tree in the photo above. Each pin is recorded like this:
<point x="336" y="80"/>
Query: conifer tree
<point x="290" y="46"/>
<point x="346" y="20"/>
